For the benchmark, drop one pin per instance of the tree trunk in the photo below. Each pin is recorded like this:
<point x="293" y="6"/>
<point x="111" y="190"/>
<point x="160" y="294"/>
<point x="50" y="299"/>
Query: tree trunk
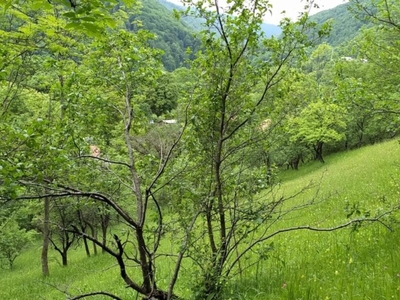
<point x="105" y="220"/>
<point x="83" y="225"/>
<point x="318" y="151"/>
<point x="64" y="256"/>
<point x="87" y="250"/>
<point x="294" y="163"/>
<point x="93" y="231"/>
<point x="269" y="167"/>
<point x="46" y="238"/>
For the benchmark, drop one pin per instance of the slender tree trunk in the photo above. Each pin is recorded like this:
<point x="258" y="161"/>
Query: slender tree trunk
<point x="46" y="238"/>
<point x="87" y="250"/>
<point x="269" y="167"/>
<point x="83" y="225"/>
<point x="361" y="133"/>
<point x="294" y="163"/>
<point x="94" y="234"/>
<point x="105" y="220"/>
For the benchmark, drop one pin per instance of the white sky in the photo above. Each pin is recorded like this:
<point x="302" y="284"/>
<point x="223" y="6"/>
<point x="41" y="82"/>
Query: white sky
<point x="292" y="8"/>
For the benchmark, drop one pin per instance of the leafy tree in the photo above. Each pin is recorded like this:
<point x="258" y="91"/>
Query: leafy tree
<point x="123" y="66"/>
<point x="225" y="130"/>
<point x="368" y="114"/>
<point x="379" y="45"/>
<point x="63" y="215"/>
<point x="89" y="17"/>
<point x="294" y="93"/>
<point x="165" y="96"/>
<point x="321" y="66"/>
<point x="13" y="240"/>
<point x="318" y="124"/>
<point x="367" y="81"/>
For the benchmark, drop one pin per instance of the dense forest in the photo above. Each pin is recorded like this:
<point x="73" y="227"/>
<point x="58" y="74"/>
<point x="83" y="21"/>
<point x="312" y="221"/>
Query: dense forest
<point x="174" y="36"/>
<point x="127" y="133"/>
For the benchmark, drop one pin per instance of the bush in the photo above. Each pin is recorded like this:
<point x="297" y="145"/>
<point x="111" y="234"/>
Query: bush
<point x="12" y="241"/>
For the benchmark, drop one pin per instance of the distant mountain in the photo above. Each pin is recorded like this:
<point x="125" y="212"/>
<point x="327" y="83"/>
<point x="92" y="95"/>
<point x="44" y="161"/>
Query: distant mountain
<point x="196" y="23"/>
<point x="345" y="26"/>
<point x="271" y="30"/>
<point x="175" y="36"/>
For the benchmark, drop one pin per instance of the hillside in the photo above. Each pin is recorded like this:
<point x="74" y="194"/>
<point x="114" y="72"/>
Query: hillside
<point x="308" y="265"/>
<point x="173" y="36"/>
<point x="195" y="23"/>
<point x="345" y="26"/>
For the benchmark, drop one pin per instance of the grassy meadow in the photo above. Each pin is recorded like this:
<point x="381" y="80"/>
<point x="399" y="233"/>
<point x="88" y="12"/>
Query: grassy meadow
<point x="344" y="264"/>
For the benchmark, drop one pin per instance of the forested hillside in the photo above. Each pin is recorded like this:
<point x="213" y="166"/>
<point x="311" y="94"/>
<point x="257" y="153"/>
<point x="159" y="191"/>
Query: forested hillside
<point x="173" y="36"/>
<point x="345" y="24"/>
<point x="195" y="24"/>
<point x="172" y="173"/>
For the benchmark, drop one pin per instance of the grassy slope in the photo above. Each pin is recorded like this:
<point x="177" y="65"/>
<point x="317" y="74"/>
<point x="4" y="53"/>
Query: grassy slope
<point x="346" y="264"/>
<point x="303" y="265"/>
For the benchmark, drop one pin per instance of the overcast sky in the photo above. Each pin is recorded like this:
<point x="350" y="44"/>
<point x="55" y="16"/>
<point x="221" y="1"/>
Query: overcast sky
<point x="292" y="8"/>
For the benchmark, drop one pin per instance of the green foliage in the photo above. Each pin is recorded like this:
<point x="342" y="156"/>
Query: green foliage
<point x="90" y="17"/>
<point x="318" y="124"/>
<point x="367" y="81"/>
<point x="313" y="265"/>
<point x="236" y="73"/>
<point x="66" y="88"/>
<point x="172" y="35"/>
<point x="197" y="23"/>
<point x="13" y="240"/>
<point x="319" y="121"/>
<point x="164" y="98"/>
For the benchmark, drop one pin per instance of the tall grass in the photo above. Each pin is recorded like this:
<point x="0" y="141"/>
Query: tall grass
<point x="83" y="274"/>
<point x="345" y="264"/>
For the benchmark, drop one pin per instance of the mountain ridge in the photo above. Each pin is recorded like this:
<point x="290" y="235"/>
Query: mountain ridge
<point x="195" y="23"/>
<point x="345" y="26"/>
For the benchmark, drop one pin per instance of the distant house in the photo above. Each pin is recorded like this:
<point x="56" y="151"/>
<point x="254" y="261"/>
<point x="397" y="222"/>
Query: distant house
<point x="348" y="58"/>
<point x="172" y="121"/>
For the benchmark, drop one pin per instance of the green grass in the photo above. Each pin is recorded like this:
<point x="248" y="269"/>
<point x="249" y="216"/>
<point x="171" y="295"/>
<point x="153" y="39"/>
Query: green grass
<point x="345" y="264"/>
<point x="83" y="274"/>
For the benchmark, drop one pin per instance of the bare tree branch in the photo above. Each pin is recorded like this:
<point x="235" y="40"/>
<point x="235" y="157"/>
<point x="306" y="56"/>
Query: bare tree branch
<point x="69" y="191"/>
<point x="106" y="160"/>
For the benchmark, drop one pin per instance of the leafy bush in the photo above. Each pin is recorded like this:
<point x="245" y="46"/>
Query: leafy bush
<point x="12" y="241"/>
